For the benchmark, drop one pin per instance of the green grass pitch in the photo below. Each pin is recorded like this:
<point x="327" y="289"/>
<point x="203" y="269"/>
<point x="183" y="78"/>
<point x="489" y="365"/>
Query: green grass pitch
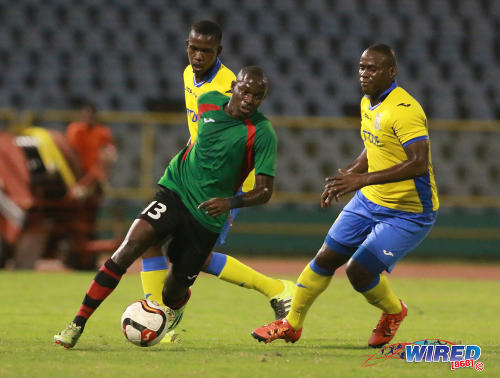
<point x="215" y="331"/>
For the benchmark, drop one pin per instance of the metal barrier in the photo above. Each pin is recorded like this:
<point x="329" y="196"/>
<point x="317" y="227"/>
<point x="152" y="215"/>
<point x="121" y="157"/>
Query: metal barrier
<point x="311" y="133"/>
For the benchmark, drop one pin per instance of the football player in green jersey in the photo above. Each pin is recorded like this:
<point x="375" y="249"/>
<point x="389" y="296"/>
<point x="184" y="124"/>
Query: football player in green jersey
<point x="191" y="212"/>
<point x="206" y="73"/>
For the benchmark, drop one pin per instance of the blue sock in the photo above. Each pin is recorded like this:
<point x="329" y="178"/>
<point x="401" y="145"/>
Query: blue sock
<point x="154" y="263"/>
<point x="217" y="263"/>
<point x="319" y="270"/>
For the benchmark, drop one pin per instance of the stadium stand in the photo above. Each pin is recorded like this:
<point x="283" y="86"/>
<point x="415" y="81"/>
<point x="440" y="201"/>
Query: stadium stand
<point x="38" y="39"/>
<point x="129" y="55"/>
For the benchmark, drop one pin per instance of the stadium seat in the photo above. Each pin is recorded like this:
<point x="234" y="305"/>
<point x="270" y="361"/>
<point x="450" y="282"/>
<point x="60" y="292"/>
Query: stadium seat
<point x="436" y="8"/>
<point x="91" y="37"/>
<point x="470" y="9"/>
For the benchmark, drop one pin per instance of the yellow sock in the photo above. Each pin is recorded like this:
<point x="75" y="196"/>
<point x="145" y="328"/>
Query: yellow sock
<point x="242" y="275"/>
<point x="309" y="285"/>
<point x="152" y="284"/>
<point x="383" y="297"/>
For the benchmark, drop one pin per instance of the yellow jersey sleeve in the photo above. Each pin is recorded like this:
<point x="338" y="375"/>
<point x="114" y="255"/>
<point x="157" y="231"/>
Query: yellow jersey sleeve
<point x="409" y="122"/>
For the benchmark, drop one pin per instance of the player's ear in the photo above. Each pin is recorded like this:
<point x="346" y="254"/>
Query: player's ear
<point x="393" y="72"/>
<point x="268" y="87"/>
<point x="219" y="50"/>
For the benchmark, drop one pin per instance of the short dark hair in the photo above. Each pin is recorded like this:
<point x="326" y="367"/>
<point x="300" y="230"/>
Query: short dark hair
<point x="387" y="51"/>
<point x="254" y="70"/>
<point x="207" y="27"/>
<point x="257" y="72"/>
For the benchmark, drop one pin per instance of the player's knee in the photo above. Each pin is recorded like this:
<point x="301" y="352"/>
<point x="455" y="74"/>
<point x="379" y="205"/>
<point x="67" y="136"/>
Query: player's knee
<point x="329" y="259"/>
<point x="358" y="275"/>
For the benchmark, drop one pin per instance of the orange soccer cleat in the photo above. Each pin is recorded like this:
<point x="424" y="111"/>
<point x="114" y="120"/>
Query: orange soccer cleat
<point x="279" y="329"/>
<point x="387" y="327"/>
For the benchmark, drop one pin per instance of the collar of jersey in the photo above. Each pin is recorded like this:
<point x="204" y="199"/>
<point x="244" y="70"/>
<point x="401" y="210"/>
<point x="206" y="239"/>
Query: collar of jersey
<point x="383" y="95"/>
<point x="210" y="75"/>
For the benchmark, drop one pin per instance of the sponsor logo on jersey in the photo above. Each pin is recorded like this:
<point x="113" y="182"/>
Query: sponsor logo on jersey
<point x="192" y="114"/>
<point x="370" y="137"/>
<point x="190" y="91"/>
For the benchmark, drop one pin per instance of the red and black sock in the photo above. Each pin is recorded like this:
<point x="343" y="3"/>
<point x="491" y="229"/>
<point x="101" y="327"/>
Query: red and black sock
<point x="105" y="281"/>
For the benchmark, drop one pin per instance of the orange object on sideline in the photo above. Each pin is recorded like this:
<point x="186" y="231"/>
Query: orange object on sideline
<point x="88" y="141"/>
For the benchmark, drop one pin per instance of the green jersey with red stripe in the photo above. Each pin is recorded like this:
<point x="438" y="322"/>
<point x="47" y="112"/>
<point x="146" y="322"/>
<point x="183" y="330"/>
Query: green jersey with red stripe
<point x="224" y="153"/>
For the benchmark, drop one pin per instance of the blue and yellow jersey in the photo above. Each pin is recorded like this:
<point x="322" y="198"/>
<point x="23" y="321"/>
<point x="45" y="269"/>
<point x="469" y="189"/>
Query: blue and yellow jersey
<point x="219" y="79"/>
<point x="386" y="128"/>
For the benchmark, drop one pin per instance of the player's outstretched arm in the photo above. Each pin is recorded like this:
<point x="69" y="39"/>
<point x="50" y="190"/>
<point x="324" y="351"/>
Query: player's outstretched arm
<point x="259" y="195"/>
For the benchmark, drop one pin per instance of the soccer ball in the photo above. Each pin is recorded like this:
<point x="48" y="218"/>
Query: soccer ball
<point x="144" y="323"/>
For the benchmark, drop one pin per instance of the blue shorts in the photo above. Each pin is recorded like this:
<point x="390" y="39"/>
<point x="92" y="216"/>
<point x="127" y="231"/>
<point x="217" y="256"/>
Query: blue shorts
<point x="225" y="230"/>
<point x="375" y="235"/>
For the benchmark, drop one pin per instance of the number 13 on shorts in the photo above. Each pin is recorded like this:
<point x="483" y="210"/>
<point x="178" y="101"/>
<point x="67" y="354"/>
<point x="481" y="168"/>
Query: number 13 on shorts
<point x="157" y="209"/>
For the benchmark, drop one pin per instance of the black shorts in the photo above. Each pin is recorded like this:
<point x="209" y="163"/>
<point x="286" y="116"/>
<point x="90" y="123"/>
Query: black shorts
<point x="190" y="243"/>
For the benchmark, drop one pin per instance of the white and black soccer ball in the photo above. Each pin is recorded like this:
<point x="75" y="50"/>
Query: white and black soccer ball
<point x="144" y="323"/>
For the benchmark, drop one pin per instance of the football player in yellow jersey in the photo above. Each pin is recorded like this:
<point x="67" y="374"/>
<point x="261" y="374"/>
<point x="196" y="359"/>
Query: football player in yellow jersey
<point x="394" y="207"/>
<point x="206" y="73"/>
